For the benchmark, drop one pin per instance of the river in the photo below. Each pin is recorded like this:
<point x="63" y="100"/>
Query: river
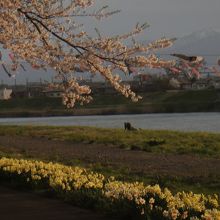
<point x="172" y="121"/>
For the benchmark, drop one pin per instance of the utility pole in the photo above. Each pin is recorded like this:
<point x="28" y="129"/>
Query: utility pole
<point x="27" y="84"/>
<point x="15" y="84"/>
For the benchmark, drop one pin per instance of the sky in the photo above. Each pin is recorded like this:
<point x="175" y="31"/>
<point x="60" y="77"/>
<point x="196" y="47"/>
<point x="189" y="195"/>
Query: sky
<point x="170" y="18"/>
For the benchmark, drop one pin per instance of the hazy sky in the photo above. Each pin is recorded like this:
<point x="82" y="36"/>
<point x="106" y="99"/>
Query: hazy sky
<point x="166" y="17"/>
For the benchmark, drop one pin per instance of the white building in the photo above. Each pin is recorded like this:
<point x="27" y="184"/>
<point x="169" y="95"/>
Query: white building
<point x="5" y="94"/>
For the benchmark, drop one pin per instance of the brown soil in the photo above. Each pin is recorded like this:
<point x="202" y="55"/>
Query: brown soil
<point x="136" y="161"/>
<point x="17" y="205"/>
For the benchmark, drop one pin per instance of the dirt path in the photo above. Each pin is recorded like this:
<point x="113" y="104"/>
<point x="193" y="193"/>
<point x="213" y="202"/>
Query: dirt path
<point x="137" y="161"/>
<point x="15" y="205"/>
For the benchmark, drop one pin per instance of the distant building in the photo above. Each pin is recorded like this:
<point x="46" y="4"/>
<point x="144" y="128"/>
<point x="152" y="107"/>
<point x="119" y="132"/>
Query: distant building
<point x="21" y="94"/>
<point x="5" y="94"/>
<point x="53" y="93"/>
<point x="215" y="83"/>
<point x="36" y="89"/>
<point x="20" y="91"/>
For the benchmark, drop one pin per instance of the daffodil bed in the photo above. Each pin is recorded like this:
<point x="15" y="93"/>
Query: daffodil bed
<point x="93" y="190"/>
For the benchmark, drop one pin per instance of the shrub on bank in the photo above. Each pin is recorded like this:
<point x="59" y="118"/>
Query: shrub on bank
<point x="93" y="190"/>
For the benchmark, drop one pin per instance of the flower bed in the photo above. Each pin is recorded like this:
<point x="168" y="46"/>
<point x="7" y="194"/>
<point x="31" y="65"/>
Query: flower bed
<point x="93" y="190"/>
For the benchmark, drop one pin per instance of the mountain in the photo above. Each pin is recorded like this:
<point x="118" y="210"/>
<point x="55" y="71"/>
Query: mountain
<point x="205" y="43"/>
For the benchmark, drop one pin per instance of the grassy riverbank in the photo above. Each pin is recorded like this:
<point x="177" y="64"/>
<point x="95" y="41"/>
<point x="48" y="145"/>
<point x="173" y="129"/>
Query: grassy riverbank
<point x="196" y="143"/>
<point x="152" y="102"/>
<point x="178" y="160"/>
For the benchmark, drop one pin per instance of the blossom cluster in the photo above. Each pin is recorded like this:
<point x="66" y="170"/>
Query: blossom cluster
<point x="147" y="200"/>
<point x="48" y="34"/>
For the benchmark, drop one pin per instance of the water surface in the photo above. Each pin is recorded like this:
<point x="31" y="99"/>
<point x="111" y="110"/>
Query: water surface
<point x="172" y="121"/>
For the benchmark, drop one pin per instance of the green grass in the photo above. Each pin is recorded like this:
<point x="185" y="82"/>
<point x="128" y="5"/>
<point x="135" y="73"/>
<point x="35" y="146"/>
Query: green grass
<point x="156" y="141"/>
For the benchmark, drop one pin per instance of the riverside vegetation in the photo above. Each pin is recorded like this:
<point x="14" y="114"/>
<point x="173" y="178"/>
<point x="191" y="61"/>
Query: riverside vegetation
<point x="130" y="200"/>
<point x="152" y="102"/>
<point x="112" y="189"/>
<point x="155" y="141"/>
